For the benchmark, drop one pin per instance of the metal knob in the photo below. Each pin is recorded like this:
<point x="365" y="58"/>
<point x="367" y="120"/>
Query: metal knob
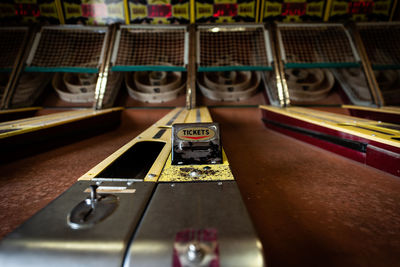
<point x="195" y="253"/>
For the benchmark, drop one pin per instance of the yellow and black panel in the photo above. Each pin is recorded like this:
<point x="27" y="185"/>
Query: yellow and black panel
<point x="94" y="12"/>
<point x="28" y="11"/>
<point x="292" y="10"/>
<point x="360" y="10"/>
<point x="226" y="11"/>
<point x="159" y="11"/>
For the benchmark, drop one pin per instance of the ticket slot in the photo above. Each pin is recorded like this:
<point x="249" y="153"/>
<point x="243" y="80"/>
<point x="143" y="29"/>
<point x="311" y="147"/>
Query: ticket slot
<point x="135" y="162"/>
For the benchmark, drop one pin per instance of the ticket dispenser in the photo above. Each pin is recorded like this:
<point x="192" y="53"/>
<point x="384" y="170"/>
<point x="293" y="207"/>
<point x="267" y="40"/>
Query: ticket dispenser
<point x="371" y="10"/>
<point x="292" y="11"/>
<point x="226" y="11"/>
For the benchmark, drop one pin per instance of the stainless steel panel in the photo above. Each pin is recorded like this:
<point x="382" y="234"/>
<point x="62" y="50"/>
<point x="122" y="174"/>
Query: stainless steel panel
<point x="175" y="207"/>
<point x="47" y="240"/>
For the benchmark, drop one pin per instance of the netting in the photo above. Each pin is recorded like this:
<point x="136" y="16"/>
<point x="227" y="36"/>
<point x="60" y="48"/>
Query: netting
<point x="382" y="44"/>
<point x="11" y="41"/>
<point x="69" y="47"/>
<point x="230" y="48"/>
<point x="150" y="46"/>
<point x="311" y="45"/>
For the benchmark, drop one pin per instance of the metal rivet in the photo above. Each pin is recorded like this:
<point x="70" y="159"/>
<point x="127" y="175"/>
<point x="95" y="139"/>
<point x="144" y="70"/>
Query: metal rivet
<point x="151" y="175"/>
<point x="194" y="174"/>
<point x="206" y="168"/>
<point x="172" y="185"/>
<point x="195" y="253"/>
<point x="213" y="162"/>
<point x="219" y="183"/>
<point x="129" y="183"/>
<point x="139" y="137"/>
<point x="98" y="182"/>
<point x="373" y="135"/>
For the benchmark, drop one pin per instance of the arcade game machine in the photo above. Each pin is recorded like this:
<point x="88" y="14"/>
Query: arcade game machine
<point x="384" y="59"/>
<point x="59" y="69"/>
<point x="13" y="42"/>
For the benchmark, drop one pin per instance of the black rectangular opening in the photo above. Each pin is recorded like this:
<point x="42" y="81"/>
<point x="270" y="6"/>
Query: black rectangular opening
<point x="135" y="162"/>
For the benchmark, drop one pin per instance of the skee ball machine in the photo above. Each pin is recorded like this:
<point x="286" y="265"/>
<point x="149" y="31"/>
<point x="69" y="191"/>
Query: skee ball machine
<point x="305" y="54"/>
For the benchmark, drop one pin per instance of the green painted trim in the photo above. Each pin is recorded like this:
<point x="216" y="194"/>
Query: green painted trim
<point x="323" y="65"/>
<point x="5" y="69"/>
<point x="386" y="67"/>
<point x="61" y="69"/>
<point x="233" y="68"/>
<point x="147" y="68"/>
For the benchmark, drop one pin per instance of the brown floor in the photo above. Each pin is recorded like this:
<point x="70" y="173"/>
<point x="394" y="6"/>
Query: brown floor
<point x="310" y="207"/>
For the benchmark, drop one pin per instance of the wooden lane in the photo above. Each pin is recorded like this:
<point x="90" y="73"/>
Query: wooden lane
<point x="310" y="207"/>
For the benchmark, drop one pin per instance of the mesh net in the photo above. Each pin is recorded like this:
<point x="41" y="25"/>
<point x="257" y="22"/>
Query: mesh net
<point x="58" y="47"/>
<point x="316" y="44"/>
<point x="11" y="40"/>
<point x="382" y="43"/>
<point x="151" y="47"/>
<point x="232" y="47"/>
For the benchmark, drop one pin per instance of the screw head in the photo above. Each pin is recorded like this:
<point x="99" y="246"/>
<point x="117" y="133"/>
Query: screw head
<point x="151" y="175"/>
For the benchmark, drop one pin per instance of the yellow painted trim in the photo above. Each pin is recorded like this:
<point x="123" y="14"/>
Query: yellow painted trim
<point x="181" y="173"/>
<point x="6" y="111"/>
<point x="192" y="13"/>
<point x="60" y="12"/>
<point x="262" y="12"/>
<point x="394" y="6"/>
<point x="47" y="121"/>
<point x="342" y="123"/>
<point x="147" y="135"/>
<point x="328" y="10"/>
<point x="127" y="17"/>
<point x="390" y="110"/>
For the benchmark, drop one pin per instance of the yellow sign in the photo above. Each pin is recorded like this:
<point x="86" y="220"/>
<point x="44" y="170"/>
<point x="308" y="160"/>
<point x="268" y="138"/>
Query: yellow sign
<point x="315" y="9"/>
<point x="48" y="10"/>
<point x="72" y="10"/>
<point x="181" y="11"/>
<point x="246" y="9"/>
<point x="138" y="11"/>
<point x="7" y="10"/>
<point x="204" y="10"/>
<point x="116" y="10"/>
<point x="272" y="9"/>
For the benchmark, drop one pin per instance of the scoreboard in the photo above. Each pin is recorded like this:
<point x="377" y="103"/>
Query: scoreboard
<point x="105" y="12"/>
<point x="92" y="12"/>
<point x="292" y="10"/>
<point x="159" y="11"/>
<point x="28" y="11"/>
<point x="360" y="10"/>
<point x="226" y="11"/>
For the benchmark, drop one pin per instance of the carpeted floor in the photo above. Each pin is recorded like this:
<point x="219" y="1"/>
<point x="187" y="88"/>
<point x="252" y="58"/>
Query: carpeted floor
<point x="310" y="207"/>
